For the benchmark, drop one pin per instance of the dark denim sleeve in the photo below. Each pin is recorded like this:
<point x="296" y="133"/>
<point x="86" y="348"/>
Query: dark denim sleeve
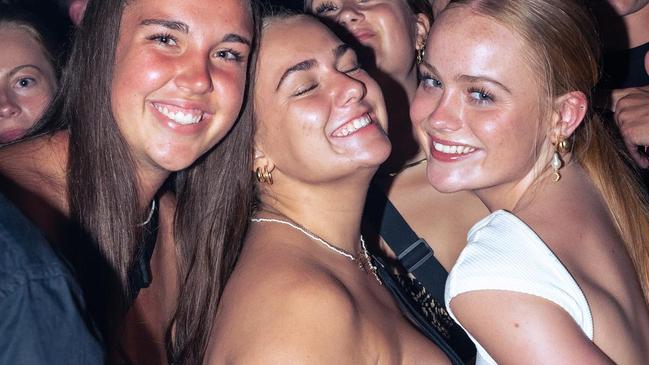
<point x="42" y="311"/>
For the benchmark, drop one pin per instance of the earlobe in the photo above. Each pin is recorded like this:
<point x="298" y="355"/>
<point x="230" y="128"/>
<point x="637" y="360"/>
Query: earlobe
<point x="262" y="161"/>
<point x="570" y="112"/>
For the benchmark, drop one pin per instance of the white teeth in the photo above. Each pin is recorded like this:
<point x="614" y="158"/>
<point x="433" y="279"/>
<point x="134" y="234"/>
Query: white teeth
<point x="353" y="126"/>
<point x="460" y="150"/>
<point x="180" y="117"/>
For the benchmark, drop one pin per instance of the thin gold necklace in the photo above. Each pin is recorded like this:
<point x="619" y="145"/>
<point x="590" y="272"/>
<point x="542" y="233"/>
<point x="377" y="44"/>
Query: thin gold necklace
<point x="404" y="167"/>
<point x="364" y="261"/>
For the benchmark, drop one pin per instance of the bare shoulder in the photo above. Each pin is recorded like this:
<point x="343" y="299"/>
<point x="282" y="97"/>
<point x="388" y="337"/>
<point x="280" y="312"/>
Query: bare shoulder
<point x="285" y="310"/>
<point x="522" y="328"/>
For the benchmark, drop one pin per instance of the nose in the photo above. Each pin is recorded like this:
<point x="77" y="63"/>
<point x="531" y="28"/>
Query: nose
<point x="446" y="115"/>
<point x="195" y="76"/>
<point x="350" y="90"/>
<point x="8" y="107"/>
<point x="349" y="14"/>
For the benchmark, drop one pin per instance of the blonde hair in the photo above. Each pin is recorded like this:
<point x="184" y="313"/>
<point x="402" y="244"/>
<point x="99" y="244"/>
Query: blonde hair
<point x="563" y="46"/>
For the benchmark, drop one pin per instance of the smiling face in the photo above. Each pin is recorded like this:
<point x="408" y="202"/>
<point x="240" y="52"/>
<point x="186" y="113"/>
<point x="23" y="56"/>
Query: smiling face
<point x="27" y="82"/>
<point x="179" y="77"/>
<point x="387" y="27"/>
<point x="477" y="111"/>
<point x="320" y="117"/>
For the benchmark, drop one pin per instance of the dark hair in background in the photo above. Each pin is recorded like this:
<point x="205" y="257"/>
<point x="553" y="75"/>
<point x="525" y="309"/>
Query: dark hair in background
<point x="215" y="198"/>
<point x="51" y="29"/>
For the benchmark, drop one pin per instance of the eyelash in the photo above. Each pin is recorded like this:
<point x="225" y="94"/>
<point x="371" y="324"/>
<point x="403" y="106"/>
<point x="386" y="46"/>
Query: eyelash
<point x="425" y="77"/>
<point x="163" y="38"/>
<point x="325" y="7"/>
<point x="235" y="55"/>
<point x="484" y="97"/>
<point x="31" y="80"/>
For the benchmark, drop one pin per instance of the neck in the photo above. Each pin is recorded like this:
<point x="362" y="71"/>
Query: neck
<point x="331" y="211"/>
<point x="149" y="181"/>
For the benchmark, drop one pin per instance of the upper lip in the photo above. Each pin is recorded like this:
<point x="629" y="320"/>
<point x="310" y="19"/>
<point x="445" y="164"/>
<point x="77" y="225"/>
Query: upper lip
<point x="359" y="115"/>
<point x="186" y="104"/>
<point x="449" y="142"/>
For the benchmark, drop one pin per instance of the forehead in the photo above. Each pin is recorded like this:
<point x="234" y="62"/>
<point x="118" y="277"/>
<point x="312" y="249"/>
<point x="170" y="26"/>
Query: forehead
<point x="209" y="15"/>
<point x="289" y="41"/>
<point x="463" y="42"/>
<point x="19" y="45"/>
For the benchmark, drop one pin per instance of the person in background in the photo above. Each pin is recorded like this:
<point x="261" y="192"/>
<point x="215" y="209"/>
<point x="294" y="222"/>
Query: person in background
<point x="423" y="228"/>
<point x="558" y="273"/>
<point x="34" y="50"/>
<point x="74" y="9"/>
<point x="625" y="37"/>
<point x="319" y="139"/>
<point x="149" y="95"/>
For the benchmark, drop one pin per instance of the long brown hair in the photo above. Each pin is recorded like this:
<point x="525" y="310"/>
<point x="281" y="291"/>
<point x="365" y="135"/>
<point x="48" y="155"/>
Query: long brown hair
<point x="215" y="198"/>
<point x="563" y="45"/>
<point x="212" y="194"/>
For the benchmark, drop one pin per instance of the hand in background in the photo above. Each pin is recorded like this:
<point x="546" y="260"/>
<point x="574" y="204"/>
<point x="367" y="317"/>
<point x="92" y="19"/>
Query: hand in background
<point x="631" y="108"/>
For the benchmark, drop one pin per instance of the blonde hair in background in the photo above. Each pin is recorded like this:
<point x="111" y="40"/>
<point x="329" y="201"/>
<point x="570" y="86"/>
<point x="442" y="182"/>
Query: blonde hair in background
<point x="563" y="45"/>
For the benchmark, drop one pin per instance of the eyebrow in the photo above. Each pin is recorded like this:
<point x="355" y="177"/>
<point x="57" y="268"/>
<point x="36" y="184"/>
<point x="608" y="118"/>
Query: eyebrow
<point x="468" y="78"/>
<point x="306" y="65"/>
<point x="171" y="24"/>
<point x="236" y="38"/>
<point x="21" y="67"/>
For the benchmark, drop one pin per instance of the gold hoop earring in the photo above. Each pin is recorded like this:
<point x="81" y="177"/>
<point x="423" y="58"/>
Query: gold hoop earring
<point x="419" y="52"/>
<point x="264" y="176"/>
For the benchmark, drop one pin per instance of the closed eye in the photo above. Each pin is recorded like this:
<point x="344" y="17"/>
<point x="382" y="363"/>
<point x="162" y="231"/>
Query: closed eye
<point x="325" y="8"/>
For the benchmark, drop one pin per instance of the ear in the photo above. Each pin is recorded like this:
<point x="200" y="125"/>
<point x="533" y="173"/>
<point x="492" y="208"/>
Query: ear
<point x="76" y="10"/>
<point x="261" y="160"/>
<point x="422" y="28"/>
<point x="570" y="110"/>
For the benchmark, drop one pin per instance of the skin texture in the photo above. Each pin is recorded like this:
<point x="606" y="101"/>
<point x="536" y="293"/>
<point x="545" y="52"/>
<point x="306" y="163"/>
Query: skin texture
<point x="458" y="105"/>
<point x="201" y="71"/>
<point x="395" y="35"/>
<point x="27" y="82"/>
<point x="319" y="308"/>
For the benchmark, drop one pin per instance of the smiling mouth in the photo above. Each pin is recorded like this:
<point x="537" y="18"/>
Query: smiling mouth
<point x="352" y="126"/>
<point x="452" y="149"/>
<point x="180" y="115"/>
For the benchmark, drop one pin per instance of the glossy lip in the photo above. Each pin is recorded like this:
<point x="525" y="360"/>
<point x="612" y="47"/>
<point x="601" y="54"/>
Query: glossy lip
<point x="185" y="129"/>
<point x="338" y="127"/>
<point x="448" y="157"/>
<point x="362" y="34"/>
<point x="12" y="134"/>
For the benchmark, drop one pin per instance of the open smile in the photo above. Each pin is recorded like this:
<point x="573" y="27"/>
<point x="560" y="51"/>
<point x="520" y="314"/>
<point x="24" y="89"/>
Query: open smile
<point x="180" y="115"/>
<point x="353" y="126"/>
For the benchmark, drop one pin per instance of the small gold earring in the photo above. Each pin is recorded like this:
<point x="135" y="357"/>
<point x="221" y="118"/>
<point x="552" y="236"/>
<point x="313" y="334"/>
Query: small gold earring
<point x="263" y="176"/>
<point x="420" y="55"/>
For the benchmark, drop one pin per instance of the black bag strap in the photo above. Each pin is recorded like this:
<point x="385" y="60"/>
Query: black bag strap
<point x="413" y="252"/>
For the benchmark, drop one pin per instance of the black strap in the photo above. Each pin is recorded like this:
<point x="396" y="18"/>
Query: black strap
<point x="413" y="252"/>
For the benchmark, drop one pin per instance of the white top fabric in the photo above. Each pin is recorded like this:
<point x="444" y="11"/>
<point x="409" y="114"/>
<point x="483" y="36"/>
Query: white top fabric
<point x="503" y="253"/>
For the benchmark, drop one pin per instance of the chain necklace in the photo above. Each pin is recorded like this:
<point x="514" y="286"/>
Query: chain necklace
<point x="148" y="218"/>
<point x="364" y="261"/>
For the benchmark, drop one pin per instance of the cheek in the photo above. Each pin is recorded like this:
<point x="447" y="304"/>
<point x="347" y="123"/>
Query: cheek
<point x="139" y="74"/>
<point x="34" y="105"/>
<point x="229" y="89"/>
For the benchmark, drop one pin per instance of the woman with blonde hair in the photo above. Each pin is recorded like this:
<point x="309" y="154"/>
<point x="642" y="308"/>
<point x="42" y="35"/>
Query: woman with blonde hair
<point x="503" y="110"/>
